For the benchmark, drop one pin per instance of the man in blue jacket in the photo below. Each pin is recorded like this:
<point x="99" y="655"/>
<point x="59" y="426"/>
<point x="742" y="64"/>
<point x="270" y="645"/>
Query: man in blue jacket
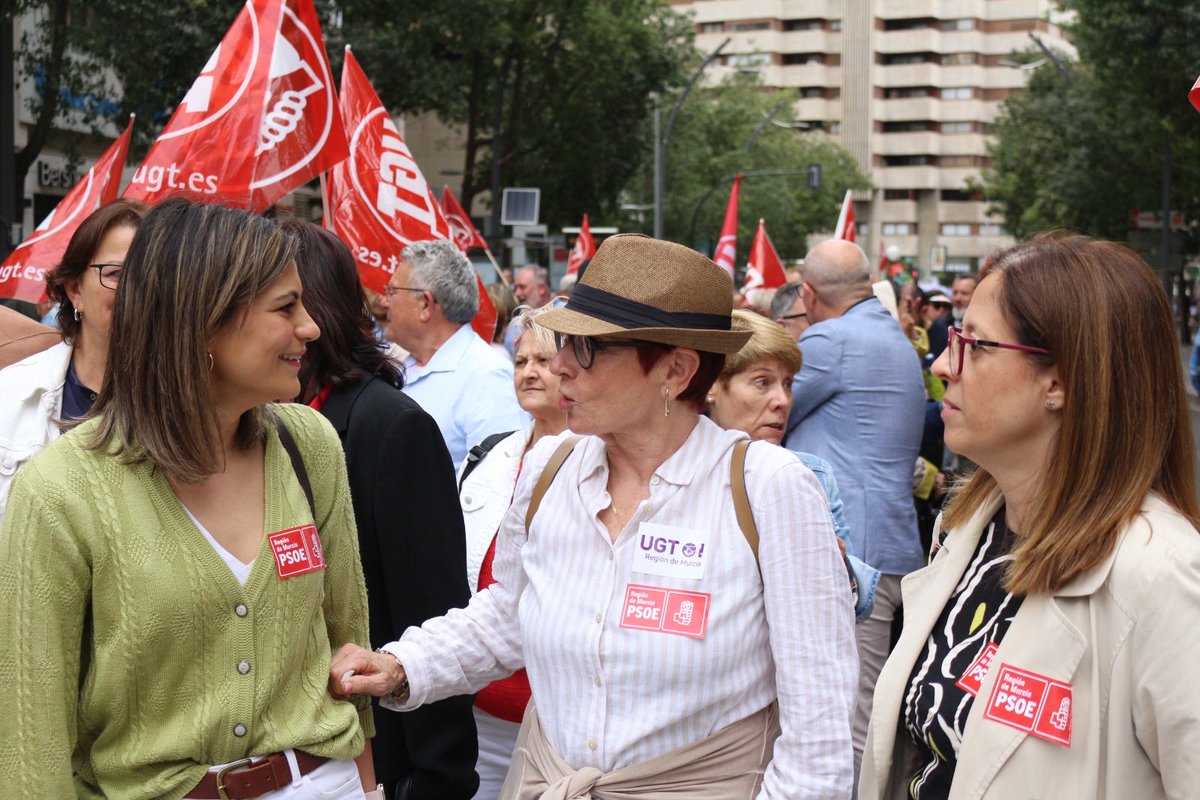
<point x="859" y="404"/>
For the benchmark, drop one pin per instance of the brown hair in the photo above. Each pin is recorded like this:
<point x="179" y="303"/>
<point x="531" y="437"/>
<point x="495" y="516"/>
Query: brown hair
<point x="347" y="350"/>
<point x="694" y="394"/>
<point x="1098" y="308"/>
<point x="192" y="269"/>
<point x="767" y="340"/>
<point x="82" y="249"/>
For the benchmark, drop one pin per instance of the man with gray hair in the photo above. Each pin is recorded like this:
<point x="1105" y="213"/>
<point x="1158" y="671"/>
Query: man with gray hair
<point x="464" y="384"/>
<point x="859" y="403"/>
<point x="531" y="286"/>
<point x="787" y="308"/>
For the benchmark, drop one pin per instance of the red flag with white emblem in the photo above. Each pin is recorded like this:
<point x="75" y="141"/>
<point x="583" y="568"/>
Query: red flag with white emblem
<point x="585" y="248"/>
<point x="726" y="253"/>
<point x="261" y="119"/>
<point x="379" y="201"/>
<point x="845" y="225"/>
<point x="1194" y="94"/>
<point x="23" y="273"/>
<point x="765" y="270"/>
<point x="462" y="229"/>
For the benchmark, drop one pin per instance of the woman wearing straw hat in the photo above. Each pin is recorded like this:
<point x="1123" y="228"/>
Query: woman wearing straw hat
<point x="682" y="614"/>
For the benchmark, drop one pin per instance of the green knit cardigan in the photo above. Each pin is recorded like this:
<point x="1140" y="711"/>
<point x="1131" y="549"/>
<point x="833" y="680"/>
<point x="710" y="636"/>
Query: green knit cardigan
<point x="122" y="632"/>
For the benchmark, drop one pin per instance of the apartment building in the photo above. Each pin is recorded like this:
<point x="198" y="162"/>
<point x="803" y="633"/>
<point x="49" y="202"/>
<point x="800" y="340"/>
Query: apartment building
<point x="910" y="87"/>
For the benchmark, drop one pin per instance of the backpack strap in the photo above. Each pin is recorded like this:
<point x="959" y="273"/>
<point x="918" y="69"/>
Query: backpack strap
<point x="741" y="500"/>
<point x="479" y="453"/>
<point x="293" y="451"/>
<point x="547" y="477"/>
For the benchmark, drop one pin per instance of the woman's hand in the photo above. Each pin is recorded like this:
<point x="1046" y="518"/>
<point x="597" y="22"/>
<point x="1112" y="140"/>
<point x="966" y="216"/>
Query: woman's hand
<point x="355" y="670"/>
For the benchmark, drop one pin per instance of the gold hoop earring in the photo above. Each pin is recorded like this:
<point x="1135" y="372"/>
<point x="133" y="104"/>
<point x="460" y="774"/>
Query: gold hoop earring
<point x="210" y="362"/>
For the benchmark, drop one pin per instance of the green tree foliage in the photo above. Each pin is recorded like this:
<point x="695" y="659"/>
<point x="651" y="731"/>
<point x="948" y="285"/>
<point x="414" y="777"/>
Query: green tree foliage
<point x="560" y="87"/>
<point x="708" y="145"/>
<point x="1081" y="153"/>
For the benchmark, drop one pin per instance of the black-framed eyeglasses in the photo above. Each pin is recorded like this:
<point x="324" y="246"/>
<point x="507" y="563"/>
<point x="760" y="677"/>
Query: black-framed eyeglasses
<point x="585" y="347"/>
<point x="109" y="273"/>
<point x="801" y="315"/>
<point x="390" y="290"/>
<point x="958" y="342"/>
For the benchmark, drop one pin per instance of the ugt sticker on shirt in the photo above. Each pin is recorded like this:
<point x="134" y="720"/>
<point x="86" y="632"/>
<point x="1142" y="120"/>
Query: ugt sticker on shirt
<point x="670" y="552"/>
<point x="297" y="551"/>
<point x="651" y="608"/>
<point x="1032" y="703"/>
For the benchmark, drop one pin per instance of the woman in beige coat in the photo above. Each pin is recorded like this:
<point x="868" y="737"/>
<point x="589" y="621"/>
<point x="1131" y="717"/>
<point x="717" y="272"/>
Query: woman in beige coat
<point x="1046" y="649"/>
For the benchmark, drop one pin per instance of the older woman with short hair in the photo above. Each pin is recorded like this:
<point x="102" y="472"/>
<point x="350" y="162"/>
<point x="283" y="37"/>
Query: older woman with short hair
<point x="753" y="394"/>
<point x="682" y="612"/>
<point x="1045" y="648"/>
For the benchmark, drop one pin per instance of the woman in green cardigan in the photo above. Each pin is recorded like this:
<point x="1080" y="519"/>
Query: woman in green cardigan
<point x="175" y="571"/>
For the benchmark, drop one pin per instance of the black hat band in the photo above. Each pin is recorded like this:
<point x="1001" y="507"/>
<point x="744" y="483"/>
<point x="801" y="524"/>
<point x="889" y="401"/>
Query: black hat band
<point x="629" y="314"/>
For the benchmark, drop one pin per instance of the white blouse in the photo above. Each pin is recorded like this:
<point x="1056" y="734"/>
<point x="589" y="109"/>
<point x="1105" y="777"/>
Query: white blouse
<point x="633" y="652"/>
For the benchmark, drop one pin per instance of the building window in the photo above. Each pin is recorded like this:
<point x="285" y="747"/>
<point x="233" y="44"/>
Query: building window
<point x="835" y="25"/>
<point x="957" y="93"/>
<point x="899" y="59"/>
<point x="901" y="92"/>
<point x="958" y="196"/>
<point x="803" y="58"/>
<point x="803" y="24"/>
<point x="907" y="126"/>
<point x="899" y="229"/>
<point x="959" y="59"/>
<point x="749" y="60"/>
<point x="899" y="194"/>
<point x="906" y="161"/>
<point x="956" y="127"/>
<point x="750" y="26"/>
<point x="958" y="25"/>
<point x="835" y="127"/>
<point x="909" y="23"/>
<point x="956" y="229"/>
<point x="712" y="27"/>
<point x="960" y="161"/>
<point x="992" y="229"/>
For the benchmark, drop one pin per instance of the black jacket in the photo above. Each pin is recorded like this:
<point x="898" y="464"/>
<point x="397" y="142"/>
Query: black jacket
<point x="410" y="534"/>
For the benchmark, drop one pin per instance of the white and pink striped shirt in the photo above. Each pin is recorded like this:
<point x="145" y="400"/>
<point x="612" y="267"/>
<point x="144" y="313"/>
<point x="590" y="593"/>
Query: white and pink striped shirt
<point x="609" y="695"/>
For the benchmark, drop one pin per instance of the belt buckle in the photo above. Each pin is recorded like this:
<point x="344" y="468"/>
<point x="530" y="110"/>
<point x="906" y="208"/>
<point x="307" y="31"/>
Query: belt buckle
<point x="223" y="771"/>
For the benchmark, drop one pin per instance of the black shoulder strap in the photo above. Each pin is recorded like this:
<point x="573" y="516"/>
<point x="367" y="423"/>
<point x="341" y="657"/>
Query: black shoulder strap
<point x="289" y="444"/>
<point x="479" y="453"/>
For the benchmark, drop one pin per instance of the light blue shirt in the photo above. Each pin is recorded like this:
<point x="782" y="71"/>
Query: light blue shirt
<point x="859" y="403"/>
<point x="467" y="387"/>
<point x="866" y="576"/>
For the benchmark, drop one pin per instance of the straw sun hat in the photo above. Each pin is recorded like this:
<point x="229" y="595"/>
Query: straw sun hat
<point x="642" y="288"/>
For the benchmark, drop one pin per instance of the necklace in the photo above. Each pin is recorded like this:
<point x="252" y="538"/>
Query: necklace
<point x="616" y="514"/>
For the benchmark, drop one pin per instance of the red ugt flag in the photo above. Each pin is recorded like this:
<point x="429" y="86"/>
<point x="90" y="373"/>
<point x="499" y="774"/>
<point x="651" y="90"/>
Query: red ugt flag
<point x="1194" y="94"/>
<point x="726" y="253"/>
<point x="845" y="225"/>
<point x="261" y="119"/>
<point x="379" y="201"/>
<point x="585" y="248"/>
<point x="461" y="228"/>
<point x="23" y="273"/>
<point x="765" y="270"/>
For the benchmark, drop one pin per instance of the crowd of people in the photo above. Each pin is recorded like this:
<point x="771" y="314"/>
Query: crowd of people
<point x="264" y="533"/>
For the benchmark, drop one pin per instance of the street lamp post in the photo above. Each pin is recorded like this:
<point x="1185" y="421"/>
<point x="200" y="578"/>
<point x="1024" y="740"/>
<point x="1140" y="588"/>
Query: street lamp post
<point x="660" y="143"/>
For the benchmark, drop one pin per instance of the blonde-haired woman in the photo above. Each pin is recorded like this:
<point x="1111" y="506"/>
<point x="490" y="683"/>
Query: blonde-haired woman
<point x="487" y="482"/>
<point x="753" y="393"/>
<point x="1047" y="648"/>
<point x="175" y="571"/>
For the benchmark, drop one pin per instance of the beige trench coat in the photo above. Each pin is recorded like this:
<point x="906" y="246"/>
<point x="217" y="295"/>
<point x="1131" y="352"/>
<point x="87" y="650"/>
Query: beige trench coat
<point x="1125" y="636"/>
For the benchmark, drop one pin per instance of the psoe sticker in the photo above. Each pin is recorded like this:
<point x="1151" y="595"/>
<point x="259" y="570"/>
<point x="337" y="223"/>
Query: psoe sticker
<point x="650" y="608"/>
<point x="972" y="679"/>
<point x="1032" y="703"/>
<point x="671" y="552"/>
<point x="297" y="551"/>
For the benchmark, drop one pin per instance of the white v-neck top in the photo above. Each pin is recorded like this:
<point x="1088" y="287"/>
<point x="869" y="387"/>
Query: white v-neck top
<point x="240" y="570"/>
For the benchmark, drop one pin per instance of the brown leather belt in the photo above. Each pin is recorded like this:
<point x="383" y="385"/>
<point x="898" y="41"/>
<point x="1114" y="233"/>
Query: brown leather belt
<point x="252" y="777"/>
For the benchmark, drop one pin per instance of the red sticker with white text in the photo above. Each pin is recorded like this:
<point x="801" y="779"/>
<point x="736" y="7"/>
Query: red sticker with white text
<point x="649" y="608"/>
<point x="972" y="679"/>
<point x="1031" y="703"/>
<point x="297" y="551"/>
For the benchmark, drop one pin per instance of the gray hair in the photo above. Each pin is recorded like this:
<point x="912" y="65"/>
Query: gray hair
<point x="785" y="297"/>
<point x="540" y="273"/>
<point x="525" y="321"/>
<point x="439" y="268"/>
